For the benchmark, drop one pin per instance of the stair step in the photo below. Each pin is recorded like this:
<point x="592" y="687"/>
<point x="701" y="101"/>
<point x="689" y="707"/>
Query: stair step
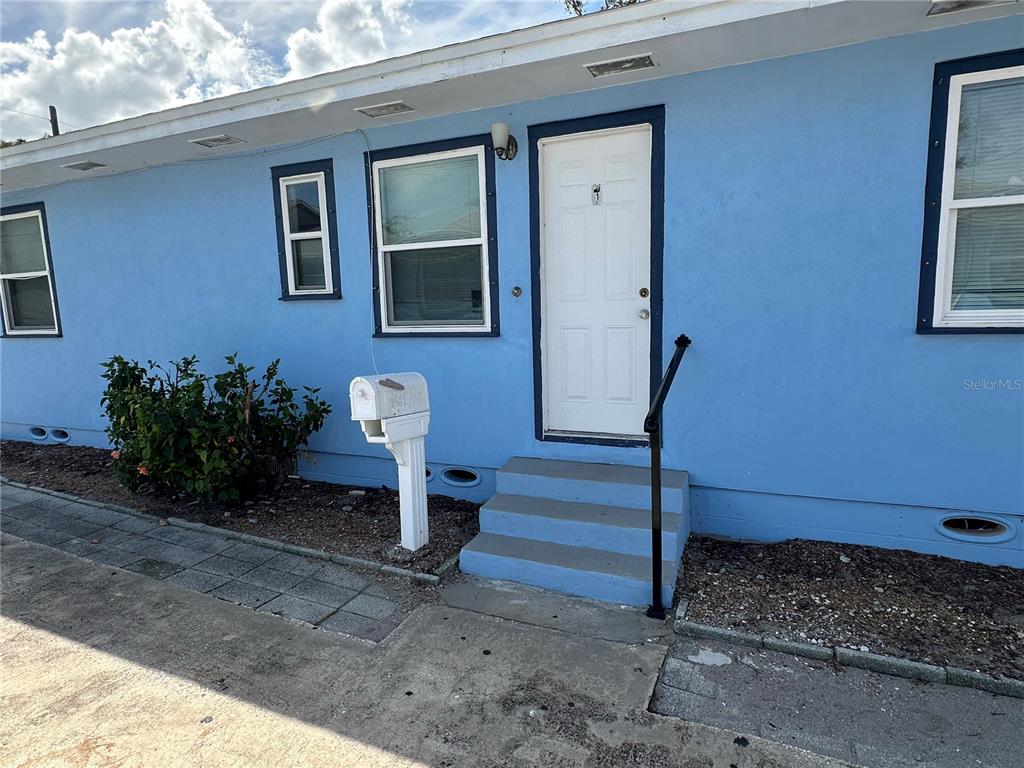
<point x="613" y="484"/>
<point x="585" y="571"/>
<point x="579" y="524"/>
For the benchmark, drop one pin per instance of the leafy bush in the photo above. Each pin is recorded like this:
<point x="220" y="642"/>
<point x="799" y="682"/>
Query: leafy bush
<point x="225" y="438"/>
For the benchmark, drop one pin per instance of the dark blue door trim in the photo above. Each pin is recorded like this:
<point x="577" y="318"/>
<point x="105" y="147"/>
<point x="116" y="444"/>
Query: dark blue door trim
<point x="655" y="117"/>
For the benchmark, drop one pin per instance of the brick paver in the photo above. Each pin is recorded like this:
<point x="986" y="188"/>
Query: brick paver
<point x="303" y="589"/>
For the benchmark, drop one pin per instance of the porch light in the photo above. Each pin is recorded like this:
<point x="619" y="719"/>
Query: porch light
<point x="505" y="145"/>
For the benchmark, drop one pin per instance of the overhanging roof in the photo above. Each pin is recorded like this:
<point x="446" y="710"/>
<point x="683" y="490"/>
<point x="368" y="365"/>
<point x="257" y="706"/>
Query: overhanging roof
<point x="526" y="64"/>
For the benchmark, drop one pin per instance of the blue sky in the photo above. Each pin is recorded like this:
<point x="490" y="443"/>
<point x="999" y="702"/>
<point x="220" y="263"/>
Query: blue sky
<point x="98" y="60"/>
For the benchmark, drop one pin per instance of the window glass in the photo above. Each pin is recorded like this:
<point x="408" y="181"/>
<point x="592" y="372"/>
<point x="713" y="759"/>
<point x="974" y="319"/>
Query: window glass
<point x="29" y="303"/>
<point x="21" y="246"/>
<point x="430" y="201"/>
<point x="308" y="260"/>
<point x="303" y="207"/>
<point x="436" y="286"/>
<point x="988" y="262"/>
<point x="990" y="140"/>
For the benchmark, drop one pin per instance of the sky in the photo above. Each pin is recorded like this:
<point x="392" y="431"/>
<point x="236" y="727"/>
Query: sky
<point x="99" y="60"/>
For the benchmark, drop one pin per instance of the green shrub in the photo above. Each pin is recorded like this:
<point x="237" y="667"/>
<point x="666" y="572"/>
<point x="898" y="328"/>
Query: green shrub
<point x="225" y="438"/>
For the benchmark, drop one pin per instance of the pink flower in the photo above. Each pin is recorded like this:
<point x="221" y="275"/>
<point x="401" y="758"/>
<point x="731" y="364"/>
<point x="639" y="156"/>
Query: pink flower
<point x="231" y="439"/>
<point x="115" y="454"/>
<point x="143" y="471"/>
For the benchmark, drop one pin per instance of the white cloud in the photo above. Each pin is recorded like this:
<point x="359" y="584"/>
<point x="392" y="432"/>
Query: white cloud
<point x="190" y="50"/>
<point x="347" y="32"/>
<point x="186" y="56"/>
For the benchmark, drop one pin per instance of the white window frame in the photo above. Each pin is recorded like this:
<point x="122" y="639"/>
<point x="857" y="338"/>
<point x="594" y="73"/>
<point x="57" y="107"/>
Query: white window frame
<point x="9" y="327"/>
<point x="383" y="250"/>
<point x="324" y="235"/>
<point x="944" y="316"/>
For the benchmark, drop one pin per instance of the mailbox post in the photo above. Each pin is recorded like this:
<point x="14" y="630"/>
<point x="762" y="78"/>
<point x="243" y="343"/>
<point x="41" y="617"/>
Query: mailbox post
<point x="393" y="409"/>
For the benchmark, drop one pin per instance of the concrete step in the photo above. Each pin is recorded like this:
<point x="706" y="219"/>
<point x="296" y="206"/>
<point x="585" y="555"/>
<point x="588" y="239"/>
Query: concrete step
<point x="580" y="524"/>
<point x="584" y="571"/>
<point x="613" y="484"/>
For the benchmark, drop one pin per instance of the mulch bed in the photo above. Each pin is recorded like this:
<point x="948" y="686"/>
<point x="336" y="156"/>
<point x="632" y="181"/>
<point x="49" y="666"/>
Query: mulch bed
<point x="931" y="609"/>
<point x="310" y="514"/>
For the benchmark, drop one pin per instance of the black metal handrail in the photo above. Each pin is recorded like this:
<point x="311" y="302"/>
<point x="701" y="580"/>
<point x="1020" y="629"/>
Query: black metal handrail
<point x="652" y="426"/>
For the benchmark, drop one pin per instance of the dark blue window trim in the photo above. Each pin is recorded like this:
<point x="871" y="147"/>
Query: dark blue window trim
<point x="41" y="208"/>
<point x="427" y="148"/>
<point x="933" y="184"/>
<point x="655" y="117"/>
<point x="326" y="167"/>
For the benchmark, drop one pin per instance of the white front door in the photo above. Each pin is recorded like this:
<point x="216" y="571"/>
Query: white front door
<point x="595" y="281"/>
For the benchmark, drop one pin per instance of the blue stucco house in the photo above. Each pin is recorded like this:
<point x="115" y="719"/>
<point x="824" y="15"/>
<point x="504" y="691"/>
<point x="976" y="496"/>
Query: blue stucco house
<point x="827" y="197"/>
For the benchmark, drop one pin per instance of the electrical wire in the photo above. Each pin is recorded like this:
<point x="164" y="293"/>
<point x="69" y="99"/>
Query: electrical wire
<point x="39" y="117"/>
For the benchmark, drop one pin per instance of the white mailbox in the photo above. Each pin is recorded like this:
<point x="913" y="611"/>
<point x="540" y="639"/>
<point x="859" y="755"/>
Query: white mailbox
<point x="393" y="409"/>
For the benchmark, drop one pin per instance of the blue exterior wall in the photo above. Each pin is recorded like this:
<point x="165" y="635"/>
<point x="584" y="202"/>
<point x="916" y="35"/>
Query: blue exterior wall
<point x="807" y="406"/>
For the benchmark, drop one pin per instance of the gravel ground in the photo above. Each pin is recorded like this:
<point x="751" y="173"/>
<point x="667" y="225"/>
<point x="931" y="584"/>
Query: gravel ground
<point x="349" y="521"/>
<point x="928" y="608"/>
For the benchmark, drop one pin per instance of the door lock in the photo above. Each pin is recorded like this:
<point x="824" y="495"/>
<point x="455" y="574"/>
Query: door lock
<point x="644" y="293"/>
<point x="645" y="314"/>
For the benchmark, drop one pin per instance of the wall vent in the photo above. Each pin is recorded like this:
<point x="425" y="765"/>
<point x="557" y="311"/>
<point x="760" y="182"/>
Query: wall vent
<point x="384" y="110"/>
<point x="84" y="165"/>
<point x="974" y="526"/>
<point x="619" y="66"/>
<point x="220" y="140"/>
<point x="461" y="477"/>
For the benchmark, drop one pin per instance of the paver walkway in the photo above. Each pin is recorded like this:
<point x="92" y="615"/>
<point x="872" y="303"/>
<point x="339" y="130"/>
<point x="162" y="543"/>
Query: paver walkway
<point x="323" y="594"/>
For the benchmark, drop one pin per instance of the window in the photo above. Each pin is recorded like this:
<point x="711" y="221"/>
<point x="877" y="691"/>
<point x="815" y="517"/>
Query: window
<point x="307" y="237"/>
<point x="26" y="273"/>
<point x="435" y="244"/>
<point x="972" y="276"/>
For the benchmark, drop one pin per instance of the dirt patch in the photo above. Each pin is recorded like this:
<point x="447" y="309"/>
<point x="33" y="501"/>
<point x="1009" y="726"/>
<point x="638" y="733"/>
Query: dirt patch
<point x="931" y="609"/>
<point x="359" y="522"/>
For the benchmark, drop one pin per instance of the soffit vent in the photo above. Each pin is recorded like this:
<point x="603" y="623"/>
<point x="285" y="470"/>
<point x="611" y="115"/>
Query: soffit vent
<point x="948" y="6"/>
<point x="385" y="110"/>
<point x="84" y="165"/>
<point x="220" y="140"/>
<point x="618" y="66"/>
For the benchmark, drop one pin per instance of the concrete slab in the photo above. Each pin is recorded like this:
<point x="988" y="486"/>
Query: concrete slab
<point x="358" y="626"/>
<point x="136" y="525"/>
<point x="244" y="594"/>
<point x="303" y="566"/>
<point x="226" y="566"/>
<point x="322" y="592"/>
<point x="47" y="502"/>
<point x="270" y="578"/>
<point x="173" y="677"/>
<point x="155" y="569"/>
<point x="98" y="515"/>
<point x="333" y="573"/>
<point x="172" y="553"/>
<point x="296" y="608"/>
<point x="575" y="615"/>
<point x="867" y="718"/>
<point x="249" y="552"/>
<point x="200" y="581"/>
<point x="371" y="607"/>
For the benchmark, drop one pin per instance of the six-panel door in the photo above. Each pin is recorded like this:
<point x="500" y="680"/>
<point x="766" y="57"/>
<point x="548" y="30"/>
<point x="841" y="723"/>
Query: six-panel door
<point x="595" y="277"/>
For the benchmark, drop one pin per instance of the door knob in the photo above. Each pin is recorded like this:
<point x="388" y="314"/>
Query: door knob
<point x="644" y="314"/>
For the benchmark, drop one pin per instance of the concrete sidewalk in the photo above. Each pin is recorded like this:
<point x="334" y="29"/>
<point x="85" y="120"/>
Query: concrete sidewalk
<point x="870" y="719"/>
<point x="107" y="667"/>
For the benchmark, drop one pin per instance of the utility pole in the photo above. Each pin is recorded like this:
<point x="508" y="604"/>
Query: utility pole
<point x="54" y="127"/>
